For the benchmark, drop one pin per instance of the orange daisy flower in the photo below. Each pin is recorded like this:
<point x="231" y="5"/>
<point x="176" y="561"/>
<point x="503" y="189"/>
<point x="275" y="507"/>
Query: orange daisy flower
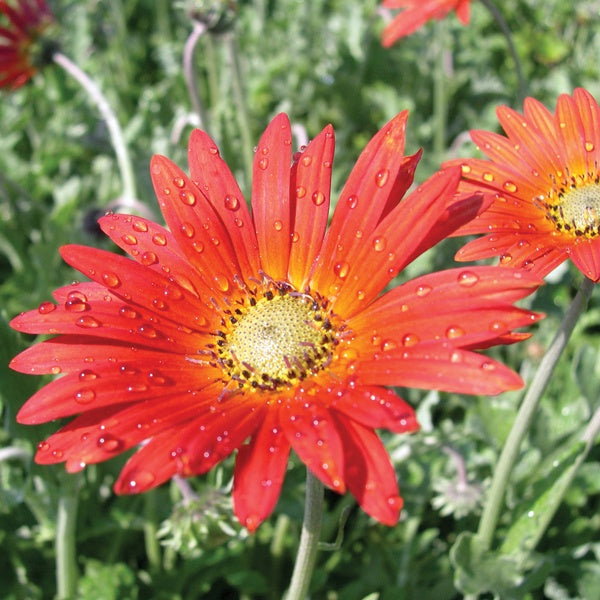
<point x="26" y="22"/>
<point x="543" y="178"/>
<point x="263" y="332"/>
<point x="417" y="13"/>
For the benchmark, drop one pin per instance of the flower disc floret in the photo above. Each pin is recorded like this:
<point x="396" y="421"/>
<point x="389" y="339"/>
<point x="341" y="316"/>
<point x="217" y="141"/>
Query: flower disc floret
<point x="576" y="209"/>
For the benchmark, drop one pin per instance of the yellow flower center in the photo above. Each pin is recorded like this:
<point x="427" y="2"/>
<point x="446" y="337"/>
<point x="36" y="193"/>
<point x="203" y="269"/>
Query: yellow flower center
<point x="276" y="341"/>
<point x="577" y="210"/>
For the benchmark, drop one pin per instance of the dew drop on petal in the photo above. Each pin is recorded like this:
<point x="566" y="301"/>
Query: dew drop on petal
<point x="187" y="198"/>
<point x="109" y="443"/>
<point x="382" y="178"/>
<point x="278" y="225"/>
<point x="467" y="278"/>
<point x="187" y="229"/>
<point x="222" y="282"/>
<point x="341" y="269"/>
<point x="379" y="244"/>
<point x="46" y="307"/>
<point x="159" y="304"/>
<point x="306" y="160"/>
<point x="318" y="198"/>
<point x="497" y="326"/>
<point x="489" y="177"/>
<point x="142" y="480"/>
<point x="376" y="339"/>
<point x="129" y="239"/>
<point x="388" y="345"/>
<point x="358" y="234"/>
<point x="423" y="290"/>
<point x="300" y="192"/>
<point x="589" y="146"/>
<point x="263" y="163"/>
<point x="111" y="280"/>
<point x="505" y="259"/>
<point x="360" y="294"/>
<point x="352" y="201"/>
<point x="128" y="312"/>
<point x="231" y="203"/>
<point x="148" y="331"/>
<point x="87" y="322"/>
<point x="410" y="339"/>
<point x="148" y="258"/>
<point x="74" y="304"/>
<point x="43" y="446"/>
<point x="139" y="226"/>
<point x="454" y="331"/>
<point x="159" y="239"/>
<point x="509" y="186"/>
<point x="87" y="375"/>
<point x="178" y="182"/>
<point x="198" y="247"/>
<point x="84" y="396"/>
<point x="55" y="370"/>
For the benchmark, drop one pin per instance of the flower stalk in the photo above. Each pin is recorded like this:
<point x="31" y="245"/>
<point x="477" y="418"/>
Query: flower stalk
<point x="190" y="73"/>
<point x="510" y="451"/>
<point x="309" y="539"/>
<point x="128" y="199"/>
<point x="65" y="543"/>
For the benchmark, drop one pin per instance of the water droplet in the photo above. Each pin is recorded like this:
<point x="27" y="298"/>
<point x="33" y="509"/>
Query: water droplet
<point x="466" y="169"/>
<point x="454" y="331"/>
<point x="231" y="203"/>
<point x="222" y="282"/>
<point x="173" y="292"/>
<point x="187" y="198"/>
<point x="214" y="150"/>
<point x="300" y="192"/>
<point x="87" y="322"/>
<point x="84" y="396"/>
<point x="137" y="388"/>
<point x="497" y="326"/>
<point x="198" y="247"/>
<point x="43" y="446"/>
<point x="306" y="160"/>
<point x="139" y="226"/>
<point x="55" y="370"/>
<point x="148" y="331"/>
<point x="129" y="239"/>
<point x="142" y="479"/>
<point x="111" y="280"/>
<point x="376" y="339"/>
<point x="505" y="259"/>
<point x="388" y="345"/>
<point x="382" y="178"/>
<point x="489" y="177"/>
<point x="263" y="163"/>
<point x="589" y="146"/>
<point x="295" y="237"/>
<point x="341" y="269"/>
<point x="178" y="182"/>
<point x="467" y="278"/>
<point x="87" y="375"/>
<point x="423" y="290"/>
<point x="278" y="225"/>
<point x="318" y="198"/>
<point x="74" y="304"/>
<point x="159" y="239"/>
<point x="128" y="312"/>
<point x="509" y="186"/>
<point x="379" y="244"/>
<point x="46" y="307"/>
<point x="352" y="201"/>
<point x="360" y="294"/>
<point x="358" y="234"/>
<point x="410" y="339"/>
<point x="109" y="443"/>
<point x="187" y="229"/>
<point x="148" y="258"/>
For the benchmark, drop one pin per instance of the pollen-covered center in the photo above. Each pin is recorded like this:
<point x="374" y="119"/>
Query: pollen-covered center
<point x="577" y="210"/>
<point x="278" y="340"/>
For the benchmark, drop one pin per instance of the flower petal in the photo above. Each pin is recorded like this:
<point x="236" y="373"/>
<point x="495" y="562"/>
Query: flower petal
<point x="259" y="472"/>
<point x="271" y="196"/>
<point x="309" y="192"/>
<point x="369" y="474"/>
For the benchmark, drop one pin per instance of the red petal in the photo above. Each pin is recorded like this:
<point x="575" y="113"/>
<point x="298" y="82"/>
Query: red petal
<point x="259" y="472"/>
<point x="377" y="408"/>
<point x="586" y="257"/>
<point x="369" y="473"/>
<point x="271" y="196"/>
<point x="212" y="175"/>
<point x="309" y="193"/>
<point x="314" y="437"/>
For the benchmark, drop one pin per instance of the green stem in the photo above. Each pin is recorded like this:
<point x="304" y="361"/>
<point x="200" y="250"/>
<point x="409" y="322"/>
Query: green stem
<point x="151" y="530"/>
<point x="190" y="73"/>
<point x="309" y="540"/>
<point x="240" y="102"/>
<point x="116" y="133"/>
<point x="440" y="105"/>
<point x="65" y="544"/>
<point x="501" y="22"/>
<point x="491" y="510"/>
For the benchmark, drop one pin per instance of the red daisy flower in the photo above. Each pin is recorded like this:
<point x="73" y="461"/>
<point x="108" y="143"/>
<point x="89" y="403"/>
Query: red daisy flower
<point x="417" y="13"/>
<point x="266" y="332"/>
<point x="543" y="178"/>
<point x="26" y="21"/>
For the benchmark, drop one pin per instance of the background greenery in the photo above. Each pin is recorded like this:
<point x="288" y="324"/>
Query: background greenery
<point x="322" y="62"/>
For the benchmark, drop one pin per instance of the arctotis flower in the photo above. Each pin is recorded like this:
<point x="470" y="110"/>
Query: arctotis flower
<point x="418" y="12"/>
<point x="23" y="25"/>
<point x="543" y="178"/>
<point x="266" y="331"/>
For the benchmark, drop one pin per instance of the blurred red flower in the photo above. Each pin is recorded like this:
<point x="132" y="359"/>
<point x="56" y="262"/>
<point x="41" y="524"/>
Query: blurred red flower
<point x="417" y="13"/>
<point x="267" y="332"/>
<point x="543" y="178"/>
<point x="23" y="25"/>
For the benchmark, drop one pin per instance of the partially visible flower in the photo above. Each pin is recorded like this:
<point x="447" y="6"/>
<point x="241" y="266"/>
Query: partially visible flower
<point x="543" y="178"/>
<point x="417" y="13"/>
<point x="19" y="34"/>
<point x="264" y="332"/>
